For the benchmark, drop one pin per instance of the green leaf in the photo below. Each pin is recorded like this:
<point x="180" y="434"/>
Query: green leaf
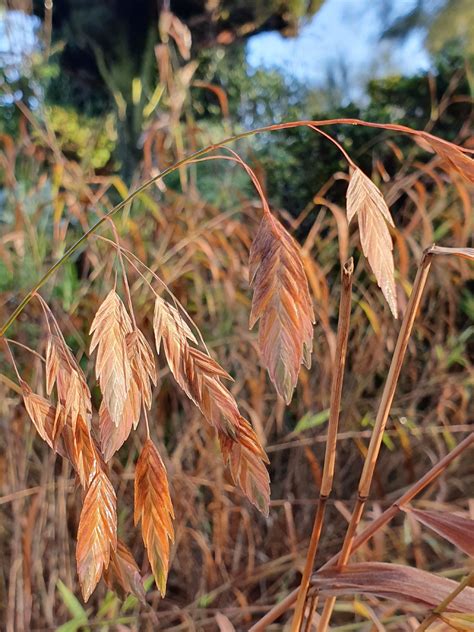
<point x="74" y="606"/>
<point x="311" y="420"/>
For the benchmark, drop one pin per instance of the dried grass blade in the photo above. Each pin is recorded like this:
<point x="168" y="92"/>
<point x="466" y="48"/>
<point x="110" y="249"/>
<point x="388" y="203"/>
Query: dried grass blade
<point x="393" y="581"/>
<point x="456" y="158"/>
<point x="282" y="303"/>
<point x="153" y="507"/>
<point x="456" y="529"/>
<point x="97" y="533"/>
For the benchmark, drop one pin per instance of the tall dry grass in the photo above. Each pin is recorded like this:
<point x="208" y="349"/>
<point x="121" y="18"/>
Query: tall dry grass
<point x="226" y="559"/>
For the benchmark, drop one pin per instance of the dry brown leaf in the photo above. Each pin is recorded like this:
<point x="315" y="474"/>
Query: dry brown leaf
<point x="282" y="303"/>
<point x="463" y="253"/>
<point x="365" y="200"/>
<point x="110" y="327"/>
<point x="97" y="533"/>
<point x="63" y="370"/>
<point x="153" y="507"/>
<point x="456" y="529"/>
<point x="246" y="461"/>
<point x="393" y="581"/>
<point x="456" y="158"/>
<point x="123" y="575"/>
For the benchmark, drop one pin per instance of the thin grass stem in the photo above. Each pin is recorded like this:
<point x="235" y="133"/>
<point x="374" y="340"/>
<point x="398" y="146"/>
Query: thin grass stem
<point x="381" y="420"/>
<point x="331" y="443"/>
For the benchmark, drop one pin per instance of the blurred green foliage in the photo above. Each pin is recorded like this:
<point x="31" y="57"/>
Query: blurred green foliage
<point x="90" y="139"/>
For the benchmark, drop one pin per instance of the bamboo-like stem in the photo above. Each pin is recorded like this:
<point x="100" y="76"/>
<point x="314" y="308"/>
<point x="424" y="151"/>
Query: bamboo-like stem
<point x="424" y="625"/>
<point x="331" y="443"/>
<point x="373" y="527"/>
<point x="381" y="420"/>
<point x="187" y="159"/>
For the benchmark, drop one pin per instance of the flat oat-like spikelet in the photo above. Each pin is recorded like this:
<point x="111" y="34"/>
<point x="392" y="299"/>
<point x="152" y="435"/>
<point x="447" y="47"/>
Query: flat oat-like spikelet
<point x="112" y="437"/>
<point x="282" y="303"/>
<point x="109" y="329"/>
<point x="123" y="575"/>
<point x="153" y="507"/>
<point x="365" y="200"/>
<point x="246" y="461"/>
<point x="42" y="413"/>
<point x="82" y="451"/>
<point x="200" y="378"/>
<point x="143" y="366"/>
<point x="97" y="533"/>
<point x="143" y="375"/>
<point x="197" y="373"/>
<point x="63" y="370"/>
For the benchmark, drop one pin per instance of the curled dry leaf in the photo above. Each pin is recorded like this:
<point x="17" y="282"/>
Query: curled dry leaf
<point x="97" y="533"/>
<point x="282" y="303"/>
<point x="123" y="575"/>
<point x="246" y="461"/>
<point x="200" y="378"/>
<point x="462" y="253"/>
<point x="365" y="200"/>
<point x="393" y="581"/>
<point x="153" y="507"/>
<point x="63" y="370"/>
<point x="455" y="157"/>
<point x="456" y="529"/>
<point x="109" y="329"/>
